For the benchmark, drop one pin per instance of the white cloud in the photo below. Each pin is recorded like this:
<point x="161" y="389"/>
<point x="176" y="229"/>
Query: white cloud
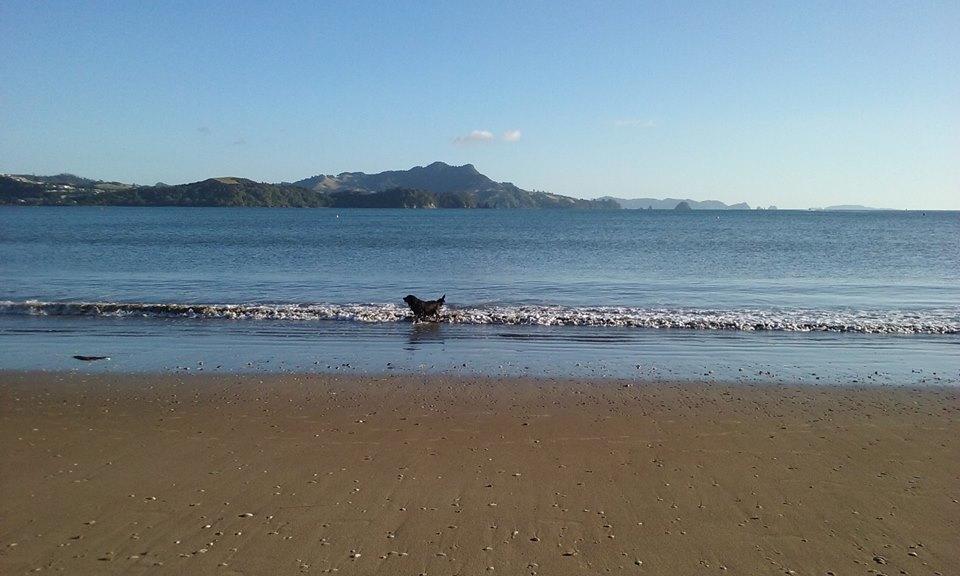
<point x="512" y="135"/>
<point x="634" y="123"/>
<point x="474" y="137"/>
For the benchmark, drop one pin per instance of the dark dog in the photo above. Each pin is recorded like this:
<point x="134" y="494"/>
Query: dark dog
<point x="423" y="308"/>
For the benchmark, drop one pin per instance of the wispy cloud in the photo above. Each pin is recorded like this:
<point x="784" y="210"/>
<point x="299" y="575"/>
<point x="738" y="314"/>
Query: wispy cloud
<point x="475" y="137"/>
<point x="635" y="123"/>
<point x="486" y="136"/>
<point x="241" y="141"/>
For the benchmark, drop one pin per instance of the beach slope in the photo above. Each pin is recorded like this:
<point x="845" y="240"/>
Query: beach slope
<point x="286" y="474"/>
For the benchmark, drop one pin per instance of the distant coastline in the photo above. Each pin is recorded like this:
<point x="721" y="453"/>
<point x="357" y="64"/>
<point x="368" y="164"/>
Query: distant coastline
<point x="437" y="185"/>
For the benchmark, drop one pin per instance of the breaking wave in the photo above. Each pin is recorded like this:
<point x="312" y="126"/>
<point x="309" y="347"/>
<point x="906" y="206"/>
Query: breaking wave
<point x="941" y="321"/>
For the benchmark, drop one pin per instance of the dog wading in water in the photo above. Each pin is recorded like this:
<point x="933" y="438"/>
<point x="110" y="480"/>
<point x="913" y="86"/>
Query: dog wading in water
<point x="423" y="309"/>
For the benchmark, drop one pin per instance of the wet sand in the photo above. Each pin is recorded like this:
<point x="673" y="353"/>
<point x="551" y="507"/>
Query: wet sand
<point x="226" y="474"/>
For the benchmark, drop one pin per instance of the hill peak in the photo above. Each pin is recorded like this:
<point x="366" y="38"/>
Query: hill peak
<point x="470" y="168"/>
<point x="230" y="180"/>
<point x="437" y="177"/>
<point x="453" y="185"/>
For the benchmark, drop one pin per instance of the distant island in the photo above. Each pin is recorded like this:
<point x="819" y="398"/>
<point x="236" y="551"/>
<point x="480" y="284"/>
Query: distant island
<point x="674" y="204"/>
<point x="847" y="208"/>
<point x="437" y="185"/>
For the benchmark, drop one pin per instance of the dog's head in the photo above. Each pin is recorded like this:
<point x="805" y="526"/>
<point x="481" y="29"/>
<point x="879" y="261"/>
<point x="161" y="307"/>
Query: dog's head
<point x="410" y="299"/>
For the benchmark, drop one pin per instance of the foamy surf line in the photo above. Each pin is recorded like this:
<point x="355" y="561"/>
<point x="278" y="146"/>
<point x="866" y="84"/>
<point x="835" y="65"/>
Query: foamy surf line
<point x="941" y="321"/>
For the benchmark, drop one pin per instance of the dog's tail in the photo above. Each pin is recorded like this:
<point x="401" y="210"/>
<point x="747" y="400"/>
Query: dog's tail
<point x="443" y="298"/>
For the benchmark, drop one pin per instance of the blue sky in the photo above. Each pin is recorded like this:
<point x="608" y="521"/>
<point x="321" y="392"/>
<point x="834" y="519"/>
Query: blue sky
<point x="790" y="103"/>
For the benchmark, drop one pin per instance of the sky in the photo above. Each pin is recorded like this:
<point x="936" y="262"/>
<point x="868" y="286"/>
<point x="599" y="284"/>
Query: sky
<point x="794" y="104"/>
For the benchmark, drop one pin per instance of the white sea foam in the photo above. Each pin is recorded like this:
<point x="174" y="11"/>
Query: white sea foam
<point x="941" y="321"/>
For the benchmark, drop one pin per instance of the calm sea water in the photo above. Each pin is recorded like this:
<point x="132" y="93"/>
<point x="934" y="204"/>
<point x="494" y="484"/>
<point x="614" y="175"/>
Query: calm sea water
<point x="841" y="295"/>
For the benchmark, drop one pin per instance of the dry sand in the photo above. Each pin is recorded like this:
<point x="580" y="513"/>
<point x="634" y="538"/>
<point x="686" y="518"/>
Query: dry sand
<point x="121" y="474"/>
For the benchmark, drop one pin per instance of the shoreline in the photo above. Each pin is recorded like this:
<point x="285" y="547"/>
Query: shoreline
<point x="596" y="378"/>
<point x="440" y="474"/>
<point x="453" y="350"/>
<point x="185" y="374"/>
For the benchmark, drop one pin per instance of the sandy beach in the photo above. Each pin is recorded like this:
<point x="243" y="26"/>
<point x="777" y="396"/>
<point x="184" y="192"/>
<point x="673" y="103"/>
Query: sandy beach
<point x="285" y="474"/>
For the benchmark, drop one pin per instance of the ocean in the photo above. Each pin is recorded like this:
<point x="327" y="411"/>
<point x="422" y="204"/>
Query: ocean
<point x="832" y="297"/>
